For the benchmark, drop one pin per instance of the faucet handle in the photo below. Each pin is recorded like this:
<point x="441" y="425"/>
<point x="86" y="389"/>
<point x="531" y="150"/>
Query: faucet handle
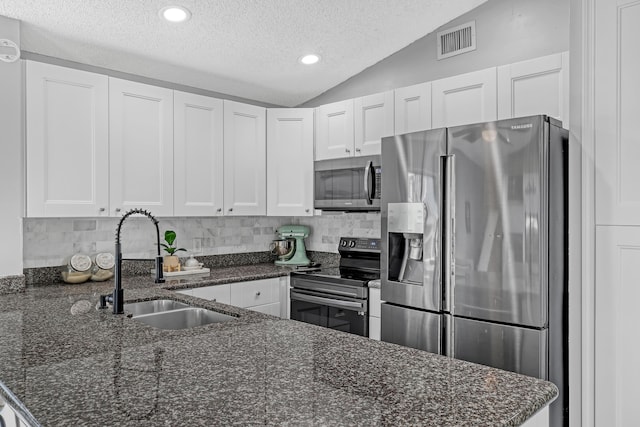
<point x="104" y="299"/>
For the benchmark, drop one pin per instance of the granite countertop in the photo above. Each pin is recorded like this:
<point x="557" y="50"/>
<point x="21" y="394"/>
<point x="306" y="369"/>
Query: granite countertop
<point x="72" y="364"/>
<point x="219" y="276"/>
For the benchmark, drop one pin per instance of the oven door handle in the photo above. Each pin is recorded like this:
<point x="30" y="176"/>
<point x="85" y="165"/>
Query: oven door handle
<point x="349" y="305"/>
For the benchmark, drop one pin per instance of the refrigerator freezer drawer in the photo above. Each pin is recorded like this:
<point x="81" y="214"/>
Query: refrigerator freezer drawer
<point x="516" y="349"/>
<point x="411" y="328"/>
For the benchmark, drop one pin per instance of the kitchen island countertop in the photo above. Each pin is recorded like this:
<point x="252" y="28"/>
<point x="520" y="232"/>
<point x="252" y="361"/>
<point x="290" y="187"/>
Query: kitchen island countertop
<point x="72" y="364"/>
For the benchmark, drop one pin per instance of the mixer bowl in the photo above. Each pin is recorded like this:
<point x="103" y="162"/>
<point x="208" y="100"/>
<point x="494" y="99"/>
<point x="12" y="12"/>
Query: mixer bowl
<point x="283" y="248"/>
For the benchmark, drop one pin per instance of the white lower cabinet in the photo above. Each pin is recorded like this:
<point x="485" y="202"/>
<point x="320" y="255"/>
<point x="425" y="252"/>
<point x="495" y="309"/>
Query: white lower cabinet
<point x="255" y="293"/>
<point x="374" y="313"/>
<point x="268" y="296"/>
<point x="272" y="309"/>
<point x="217" y="293"/>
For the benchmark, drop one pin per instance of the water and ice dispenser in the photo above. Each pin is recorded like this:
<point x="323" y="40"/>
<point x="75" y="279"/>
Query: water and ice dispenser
<point x="405" y="228"/>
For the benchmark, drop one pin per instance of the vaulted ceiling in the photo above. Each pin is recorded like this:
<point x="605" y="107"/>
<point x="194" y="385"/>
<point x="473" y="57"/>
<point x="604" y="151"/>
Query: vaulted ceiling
<point x="245" y="48"/>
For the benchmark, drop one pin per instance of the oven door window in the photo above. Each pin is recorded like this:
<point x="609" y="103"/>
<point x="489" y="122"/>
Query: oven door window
<point x="329" y="311"/>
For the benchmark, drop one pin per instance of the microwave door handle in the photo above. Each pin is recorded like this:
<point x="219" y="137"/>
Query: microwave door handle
<point x="367" y="173"/>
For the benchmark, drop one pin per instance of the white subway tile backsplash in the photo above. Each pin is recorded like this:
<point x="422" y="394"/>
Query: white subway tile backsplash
<point x="48" y="241"/>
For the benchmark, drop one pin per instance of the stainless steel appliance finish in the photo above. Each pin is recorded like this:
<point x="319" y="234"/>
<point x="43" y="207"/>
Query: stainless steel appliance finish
<point x="487" y="204"/>
<point x="337" y="298"/>
<point x="522" y="350"/>
<point x="348" y="184"/>
<point x="413" y="328"/>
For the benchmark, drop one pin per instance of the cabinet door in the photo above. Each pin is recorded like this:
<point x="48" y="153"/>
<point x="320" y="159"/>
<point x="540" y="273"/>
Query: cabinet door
<point x="198" y="151"/>
<point x="290" y="162"/>
<point x="273" y="309"/>
<point x="141" y="147"/>
<point x="617" y="110"/>
<point x="616" y="333"/>
<point x="413" y="108"/>
<point x="217" y="293"/>
<point x="67" y="142"/>
<point x="255" y="292"/>
<point x="245" y="172"/>
<point x="373" y="121"/>
<point x="464" y="99"/>
<point x="537" y="86"/>
<point x="334" y="130"/>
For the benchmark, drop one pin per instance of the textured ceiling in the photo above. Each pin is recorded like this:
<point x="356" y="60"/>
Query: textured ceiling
<point x="245" y="48"/>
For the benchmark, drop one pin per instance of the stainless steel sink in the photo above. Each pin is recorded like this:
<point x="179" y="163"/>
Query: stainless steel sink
<point x="155" y="306"/>
<point x="182" y="318"/>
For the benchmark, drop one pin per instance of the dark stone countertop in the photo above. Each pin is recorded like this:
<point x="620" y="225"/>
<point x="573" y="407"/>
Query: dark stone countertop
<point x="72" y="364"/>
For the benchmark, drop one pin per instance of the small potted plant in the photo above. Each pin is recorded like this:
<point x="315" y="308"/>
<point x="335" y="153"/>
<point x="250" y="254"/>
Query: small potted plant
<point x="171" y="261"/>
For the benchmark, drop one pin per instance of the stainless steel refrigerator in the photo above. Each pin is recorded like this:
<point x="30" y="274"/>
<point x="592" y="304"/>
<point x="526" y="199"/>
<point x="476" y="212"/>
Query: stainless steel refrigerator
<point x="474" y="246"/>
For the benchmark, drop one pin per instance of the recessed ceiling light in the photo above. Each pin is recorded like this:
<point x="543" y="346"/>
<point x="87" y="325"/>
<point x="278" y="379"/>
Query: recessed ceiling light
<point x="309" y="59"/>
<point x="175" y="13"/>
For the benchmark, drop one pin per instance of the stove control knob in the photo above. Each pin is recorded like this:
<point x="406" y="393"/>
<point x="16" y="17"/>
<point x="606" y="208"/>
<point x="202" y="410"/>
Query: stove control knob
<point x="352" y="244"/>
<point x="343" y="243"/>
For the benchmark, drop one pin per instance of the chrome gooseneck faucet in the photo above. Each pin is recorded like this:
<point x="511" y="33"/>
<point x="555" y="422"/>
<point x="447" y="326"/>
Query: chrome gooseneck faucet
<point x="117" y="298"/>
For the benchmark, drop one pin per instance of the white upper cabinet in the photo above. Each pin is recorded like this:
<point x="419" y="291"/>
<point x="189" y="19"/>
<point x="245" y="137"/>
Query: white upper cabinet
<point x="413" y="108"/>
<point x="334" y="130"/>
<point x="67" y="142"/>
<point x="198" y="155"/>
<point x="290" y="162"/>
<point x="467" y="98"/>
<point x="245" y="156"/>
<point x="617" y="113"/>
<point x="373" y="121"/>
<point x="141" y="147"/>
<point x="537" y="86"/>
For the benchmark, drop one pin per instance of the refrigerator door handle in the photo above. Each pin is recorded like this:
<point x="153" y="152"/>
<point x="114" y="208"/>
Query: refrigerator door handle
<point x="448" y="234"/>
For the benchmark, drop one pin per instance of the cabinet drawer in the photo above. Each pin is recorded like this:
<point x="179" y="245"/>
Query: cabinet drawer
<point x="217" y="293"/>
<point x="272" y="309"/>
<point x="257" y="292"/>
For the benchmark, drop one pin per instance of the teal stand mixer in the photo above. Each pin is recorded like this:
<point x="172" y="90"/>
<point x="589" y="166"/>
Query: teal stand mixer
<point x="297" y="254"/>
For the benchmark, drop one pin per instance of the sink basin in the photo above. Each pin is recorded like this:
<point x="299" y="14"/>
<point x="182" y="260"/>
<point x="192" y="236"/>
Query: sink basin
<point x="183" y="318"/>
<point x="155" y="306"/>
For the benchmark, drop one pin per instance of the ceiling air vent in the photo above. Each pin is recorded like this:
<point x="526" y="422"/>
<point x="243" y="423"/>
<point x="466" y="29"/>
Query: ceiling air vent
<point x="457" y="40"/>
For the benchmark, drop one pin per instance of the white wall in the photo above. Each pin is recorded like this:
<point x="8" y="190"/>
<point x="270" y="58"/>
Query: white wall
<point x="11" y="154"/>
<point x="507" y="31"/>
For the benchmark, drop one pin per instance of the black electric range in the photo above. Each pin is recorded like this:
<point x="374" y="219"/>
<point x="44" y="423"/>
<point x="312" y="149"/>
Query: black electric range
<point x="337" y="297"/>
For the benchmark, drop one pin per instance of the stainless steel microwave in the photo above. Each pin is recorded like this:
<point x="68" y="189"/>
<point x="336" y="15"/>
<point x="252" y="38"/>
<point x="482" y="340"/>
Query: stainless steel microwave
<point x="348" y="184"/>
